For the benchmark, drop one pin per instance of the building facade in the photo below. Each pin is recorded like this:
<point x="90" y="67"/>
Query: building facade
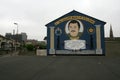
<point x="75" y="33"/>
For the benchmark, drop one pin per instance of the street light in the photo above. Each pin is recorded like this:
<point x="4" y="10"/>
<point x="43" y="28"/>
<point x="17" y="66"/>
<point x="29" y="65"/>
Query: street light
<point x="17" y="27"/>
<point x="16" y="38"/>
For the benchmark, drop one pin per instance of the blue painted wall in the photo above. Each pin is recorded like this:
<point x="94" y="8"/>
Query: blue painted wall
<point x="86" y="35"/>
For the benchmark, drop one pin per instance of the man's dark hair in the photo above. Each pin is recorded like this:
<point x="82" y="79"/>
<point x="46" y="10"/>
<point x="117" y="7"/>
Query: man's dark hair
<point x="74" y="21"/>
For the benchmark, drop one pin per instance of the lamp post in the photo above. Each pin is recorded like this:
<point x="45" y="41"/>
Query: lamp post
<point x="16" y="37"/>
<point x="17" y="27"/>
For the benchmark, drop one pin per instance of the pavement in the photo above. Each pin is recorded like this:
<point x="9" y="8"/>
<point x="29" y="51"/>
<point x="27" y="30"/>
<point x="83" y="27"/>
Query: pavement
<point x="59" y="68"/>
<point x="10" y="54"/>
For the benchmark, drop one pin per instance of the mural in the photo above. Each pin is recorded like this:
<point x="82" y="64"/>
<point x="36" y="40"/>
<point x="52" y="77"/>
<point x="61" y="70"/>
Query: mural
<point x="74" y="29"/>
<point x="75" y="33"/>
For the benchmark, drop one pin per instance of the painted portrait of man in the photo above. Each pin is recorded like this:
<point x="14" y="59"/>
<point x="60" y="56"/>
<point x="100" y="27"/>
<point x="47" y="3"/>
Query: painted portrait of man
<point x="74" y="29"/>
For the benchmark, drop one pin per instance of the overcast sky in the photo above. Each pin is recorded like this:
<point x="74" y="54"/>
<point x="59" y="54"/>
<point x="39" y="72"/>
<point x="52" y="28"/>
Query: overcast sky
<point x="33" y="15"/>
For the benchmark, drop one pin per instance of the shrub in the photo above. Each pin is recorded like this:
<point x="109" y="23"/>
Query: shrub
<point x="30" y="47"/>
<point x="42" y="45"/>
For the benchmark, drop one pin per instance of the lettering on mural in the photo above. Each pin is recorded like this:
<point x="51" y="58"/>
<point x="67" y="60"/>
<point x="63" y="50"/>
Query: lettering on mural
<point x="74" y="18"/>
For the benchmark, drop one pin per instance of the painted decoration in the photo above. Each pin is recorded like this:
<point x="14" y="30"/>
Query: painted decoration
<point x="75" y="44"/>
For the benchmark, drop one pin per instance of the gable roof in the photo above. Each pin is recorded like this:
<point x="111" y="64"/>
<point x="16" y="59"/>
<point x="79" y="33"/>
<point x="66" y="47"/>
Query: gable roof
<point x="74" y="13"/>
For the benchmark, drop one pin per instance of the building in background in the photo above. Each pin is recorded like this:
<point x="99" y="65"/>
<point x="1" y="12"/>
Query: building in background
<point x="6" y="43"/>
<point x="21" y="38"/>
<point x="111" y="36"/>
<point x="111" y="32"/>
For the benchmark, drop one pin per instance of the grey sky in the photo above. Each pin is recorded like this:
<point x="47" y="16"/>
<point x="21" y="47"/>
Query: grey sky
<point x="32" y="15"/>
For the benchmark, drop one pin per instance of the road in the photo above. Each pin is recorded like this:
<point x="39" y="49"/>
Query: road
<point x="59" y="68"/>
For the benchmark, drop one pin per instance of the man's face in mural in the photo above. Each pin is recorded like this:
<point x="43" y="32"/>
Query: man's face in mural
<point x="73" y="28"/>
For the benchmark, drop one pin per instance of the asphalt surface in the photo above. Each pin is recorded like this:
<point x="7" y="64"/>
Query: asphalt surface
<point x="59" y="68"/>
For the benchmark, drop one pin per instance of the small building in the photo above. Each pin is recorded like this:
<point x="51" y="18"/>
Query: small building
<point x="6" y="43"/>
<point x="75" y="33"/>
